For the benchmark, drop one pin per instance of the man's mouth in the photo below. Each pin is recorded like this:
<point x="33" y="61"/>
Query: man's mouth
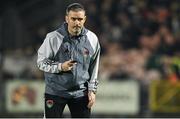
<point x="77" y="30"/>
<point x="77" y="27"/>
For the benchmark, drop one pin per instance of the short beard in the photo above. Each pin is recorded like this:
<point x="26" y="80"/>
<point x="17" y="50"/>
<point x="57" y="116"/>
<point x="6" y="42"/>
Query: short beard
<point x="77" y="32"/>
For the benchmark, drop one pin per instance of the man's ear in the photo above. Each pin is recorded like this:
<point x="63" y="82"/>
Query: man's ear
<point x="66" y="18"/>
<point x="85" y="19"/>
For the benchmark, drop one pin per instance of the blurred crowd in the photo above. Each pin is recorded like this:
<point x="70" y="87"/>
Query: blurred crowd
<point x="139" y="39"/>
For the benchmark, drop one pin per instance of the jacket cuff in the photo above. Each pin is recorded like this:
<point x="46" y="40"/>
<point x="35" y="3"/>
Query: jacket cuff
<point x="60" y="67"/>
<point x="92" y="87"/>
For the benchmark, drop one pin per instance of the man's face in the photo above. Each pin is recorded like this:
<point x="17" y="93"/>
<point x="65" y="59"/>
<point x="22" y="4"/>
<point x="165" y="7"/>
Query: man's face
<point x="75" y="20"/>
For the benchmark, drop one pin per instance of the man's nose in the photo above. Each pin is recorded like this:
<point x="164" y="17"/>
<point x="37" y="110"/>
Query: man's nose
<point x="76" y="22"/>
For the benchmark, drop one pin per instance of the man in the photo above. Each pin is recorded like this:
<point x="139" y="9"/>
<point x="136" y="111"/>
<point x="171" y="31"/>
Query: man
<point x="69" y="58"/>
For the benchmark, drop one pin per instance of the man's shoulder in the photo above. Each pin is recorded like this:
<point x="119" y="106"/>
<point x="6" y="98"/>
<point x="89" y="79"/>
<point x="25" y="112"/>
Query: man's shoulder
<point x="91" y="34"/>
<point x="54" y="37"/>
<point x="93" y="39"/>
<point x="54" y="34"/>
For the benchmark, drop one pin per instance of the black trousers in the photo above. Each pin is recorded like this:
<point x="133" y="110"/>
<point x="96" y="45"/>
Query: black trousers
<point x="54" y="106"/>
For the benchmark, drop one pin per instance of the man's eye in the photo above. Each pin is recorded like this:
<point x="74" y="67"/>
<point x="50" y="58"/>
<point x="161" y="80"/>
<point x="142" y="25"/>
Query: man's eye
<point x="80" y="19"/>
<point x="74" y="19"/>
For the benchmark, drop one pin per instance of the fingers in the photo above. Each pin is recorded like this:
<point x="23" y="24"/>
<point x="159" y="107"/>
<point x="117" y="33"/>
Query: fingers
<point x="90" y="101"/>
<point x="71" y="62"/>
<point x="70" y="67"/>
<point x="67" y="65"/>
<point x="67" y="68"/>
<point x="91" y="97"/>
<point x="90" y="104"/>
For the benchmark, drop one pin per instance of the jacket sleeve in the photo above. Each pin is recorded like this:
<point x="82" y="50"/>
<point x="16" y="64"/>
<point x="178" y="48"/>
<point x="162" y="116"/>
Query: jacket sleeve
<point x="46" y="54"/>
<point x="93" y="70"/>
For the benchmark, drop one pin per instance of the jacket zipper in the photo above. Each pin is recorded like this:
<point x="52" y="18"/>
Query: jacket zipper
<point x="73" y="57"/>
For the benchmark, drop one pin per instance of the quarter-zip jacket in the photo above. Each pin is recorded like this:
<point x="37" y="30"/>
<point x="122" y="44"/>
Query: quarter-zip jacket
<point x="59" y="47"/>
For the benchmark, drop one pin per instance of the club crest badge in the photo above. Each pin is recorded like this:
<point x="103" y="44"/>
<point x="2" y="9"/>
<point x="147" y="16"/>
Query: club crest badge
<point x="86" y="52"/>
<point x="49" y="103"/>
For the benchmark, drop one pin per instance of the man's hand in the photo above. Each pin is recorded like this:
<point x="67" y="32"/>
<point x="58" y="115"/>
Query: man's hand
<point x="67" y="65"/>
<point x="92" y="98"/>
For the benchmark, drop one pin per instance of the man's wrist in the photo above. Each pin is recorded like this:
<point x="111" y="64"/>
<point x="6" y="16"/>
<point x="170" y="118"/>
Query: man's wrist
<point x="93" y="91"/>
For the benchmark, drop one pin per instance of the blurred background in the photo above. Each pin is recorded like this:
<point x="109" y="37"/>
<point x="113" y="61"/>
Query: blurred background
<point x="140" y="59"/>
